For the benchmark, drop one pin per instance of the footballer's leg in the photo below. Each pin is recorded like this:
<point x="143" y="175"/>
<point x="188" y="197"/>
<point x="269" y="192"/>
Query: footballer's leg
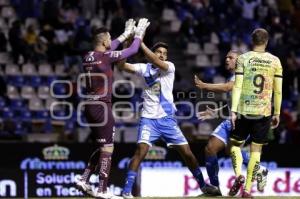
<point x="93" y="114"/>
<point x="212" y="148"/>
<point x="259" y="137"/>
<point x="83" y="183"/>
<point x="139" y="155"/>
<point x="103" y="135"/>
<point x="192" y="163"/>
<point x="147" y="134"/>
<point x="172" y="134"/>
<point x="216" y="143"/>
<point x="262" y="173"/>
<point x="253" y="166"/>
<point x="237" y="161"/>
<point x="237" y="139"/>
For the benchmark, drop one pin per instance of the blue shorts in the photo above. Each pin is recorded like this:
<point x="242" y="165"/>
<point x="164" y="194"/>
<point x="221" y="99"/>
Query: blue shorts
<point x="222" y="132"/>
<point x="166" y="128"/>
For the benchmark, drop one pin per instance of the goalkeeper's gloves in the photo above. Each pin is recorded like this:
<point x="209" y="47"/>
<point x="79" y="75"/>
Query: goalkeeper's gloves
<point x="141" y="28"/>
<point x="129" y="30"/>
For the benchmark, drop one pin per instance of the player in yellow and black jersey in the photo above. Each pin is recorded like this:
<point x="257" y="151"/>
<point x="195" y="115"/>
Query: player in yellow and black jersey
<point x="258" y="77"/>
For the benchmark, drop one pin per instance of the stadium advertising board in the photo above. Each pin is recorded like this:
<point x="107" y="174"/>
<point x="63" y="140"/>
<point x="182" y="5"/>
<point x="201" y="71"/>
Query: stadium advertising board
<point x="11" y="184"/>
<point x="50" y="170"/>
<point x="180" y="182"/>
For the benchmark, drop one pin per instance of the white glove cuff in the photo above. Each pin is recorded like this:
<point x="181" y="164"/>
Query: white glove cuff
<point x="122" y="38"/>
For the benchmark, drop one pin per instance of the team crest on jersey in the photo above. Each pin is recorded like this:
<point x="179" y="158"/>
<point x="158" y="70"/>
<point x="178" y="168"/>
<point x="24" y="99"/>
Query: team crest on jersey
<point x="155" y="88"/>
<point x="90" y="57"/>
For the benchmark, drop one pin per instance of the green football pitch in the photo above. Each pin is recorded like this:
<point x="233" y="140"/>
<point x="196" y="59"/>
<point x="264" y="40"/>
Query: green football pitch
<point x="262" y="197"/>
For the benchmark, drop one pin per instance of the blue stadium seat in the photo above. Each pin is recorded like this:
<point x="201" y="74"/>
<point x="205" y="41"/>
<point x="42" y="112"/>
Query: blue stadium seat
<point x="35" y="81"/>
<point x="20" y="128"/>
<point x="26" y="115"/>
<point x="16" y="80"/>
<point x="286" y="104"/>
<point x="60" y="113"/>
<point x="17" y="104"/>
<point x="50" y="79"/>
<point x="184" y="109"/>
<point x="209" y="73"/>
<point x="2" y="103"/>
<point x="7" y="113"/>
<point x="60" y="89"/>
<point x="41" y="114"/>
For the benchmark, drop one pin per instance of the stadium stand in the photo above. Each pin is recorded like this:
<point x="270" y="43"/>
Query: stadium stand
<point x="38" y="48"/>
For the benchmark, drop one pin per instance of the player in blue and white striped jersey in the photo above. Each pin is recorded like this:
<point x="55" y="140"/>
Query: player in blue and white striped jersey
<point x="157" y="121"/>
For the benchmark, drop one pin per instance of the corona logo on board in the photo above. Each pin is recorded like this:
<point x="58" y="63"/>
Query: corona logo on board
<point x="56" y="153"/>
<point x="156" y="153"/>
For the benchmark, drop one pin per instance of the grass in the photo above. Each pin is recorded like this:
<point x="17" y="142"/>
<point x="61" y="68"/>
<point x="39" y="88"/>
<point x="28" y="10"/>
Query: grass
<point x="262" y="197"/>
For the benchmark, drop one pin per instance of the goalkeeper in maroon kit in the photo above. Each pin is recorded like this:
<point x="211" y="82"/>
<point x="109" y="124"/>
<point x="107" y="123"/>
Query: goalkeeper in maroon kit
<point x="98" y="73"/>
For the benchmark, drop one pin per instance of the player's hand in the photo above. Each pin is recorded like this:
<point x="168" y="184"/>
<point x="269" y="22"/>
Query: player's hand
<point x="199" y="84"/>
<point x="129" y="27"/>
<point x="141" y="28"/>
<point x="209" y="113"/>
<point x="275" y="121"/>
<point x="233" y="119"/>
<point x="129" y="30"/>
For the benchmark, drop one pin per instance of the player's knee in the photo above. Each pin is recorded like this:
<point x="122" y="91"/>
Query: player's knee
<point x="209" y="150"/>
<point x="185" y="151"/>
<point x="141" y="152"/>
<point x="255" y="147"/>
<point x="139" y="155"/>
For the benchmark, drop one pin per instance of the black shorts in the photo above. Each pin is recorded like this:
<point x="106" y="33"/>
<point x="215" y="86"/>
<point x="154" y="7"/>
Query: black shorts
<point x="257" y="127"/>
<point x="101" y="121"/>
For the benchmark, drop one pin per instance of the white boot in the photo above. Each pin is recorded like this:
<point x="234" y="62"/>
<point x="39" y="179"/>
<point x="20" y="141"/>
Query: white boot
<point x="106" y="195"/>
<point x="261" y="178"/>
<point x="84" y="187"/>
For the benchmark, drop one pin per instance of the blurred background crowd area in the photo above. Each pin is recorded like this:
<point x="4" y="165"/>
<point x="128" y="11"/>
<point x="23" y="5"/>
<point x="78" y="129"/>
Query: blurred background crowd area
<point x="43" y="40"/>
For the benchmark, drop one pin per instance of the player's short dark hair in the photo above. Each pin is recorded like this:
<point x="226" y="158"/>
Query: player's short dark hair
<point x="260" y="36"/>
<point x="97" y="32"/>
<point x="100" y="30"/>
<point x="158" y="45"/>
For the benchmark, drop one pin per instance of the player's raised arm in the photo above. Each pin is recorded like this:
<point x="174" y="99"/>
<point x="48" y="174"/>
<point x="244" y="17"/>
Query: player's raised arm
<point x="223" y="87"/>
<point x="134" y="47"/>
<point x="154" y="59"/>
<point x="277" y="88"/>
<point x="129" y="30"/>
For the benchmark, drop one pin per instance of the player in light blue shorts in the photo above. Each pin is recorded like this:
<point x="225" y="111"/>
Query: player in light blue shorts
<point x="157" y="119"/>
<point x="151" y="130"/>
<point x="222" y="132"/>
<point x="220" y="136"/>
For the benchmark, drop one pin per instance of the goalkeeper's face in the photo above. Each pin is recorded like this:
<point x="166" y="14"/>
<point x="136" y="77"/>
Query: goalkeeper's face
<point x="161" y="53"/>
